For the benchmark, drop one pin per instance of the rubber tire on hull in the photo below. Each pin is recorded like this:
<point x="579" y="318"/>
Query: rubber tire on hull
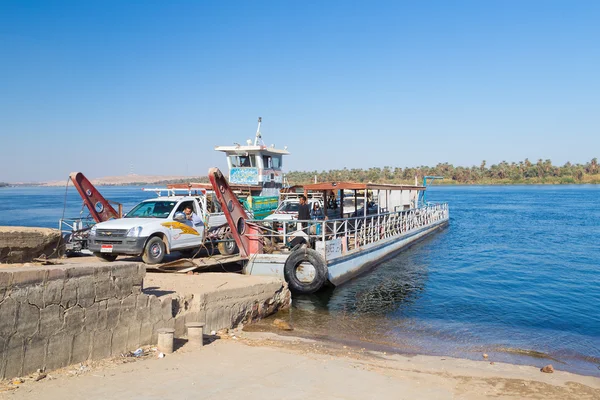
<point x="298" y="257"/>
<point x="106" y="257"/>
<point x="230" y="247"/>
<point x="154" y="252"/>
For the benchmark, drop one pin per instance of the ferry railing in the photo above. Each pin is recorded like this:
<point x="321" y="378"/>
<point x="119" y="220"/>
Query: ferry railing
<point x="355" y="232"/>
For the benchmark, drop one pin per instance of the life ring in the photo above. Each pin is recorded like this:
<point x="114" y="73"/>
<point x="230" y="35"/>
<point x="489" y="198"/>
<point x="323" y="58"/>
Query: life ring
<point x="303" y="280"/>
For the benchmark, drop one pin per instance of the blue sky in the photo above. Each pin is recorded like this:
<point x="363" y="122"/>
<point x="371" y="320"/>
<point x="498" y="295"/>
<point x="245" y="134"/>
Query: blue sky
<point x="98" y="86"/>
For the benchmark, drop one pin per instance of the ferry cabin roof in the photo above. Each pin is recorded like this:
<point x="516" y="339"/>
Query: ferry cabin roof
<point x="359" y="186"/>
<point x="386" y="197"/>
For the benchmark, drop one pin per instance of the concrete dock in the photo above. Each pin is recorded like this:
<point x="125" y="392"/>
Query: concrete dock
<point x="55" y="315"/>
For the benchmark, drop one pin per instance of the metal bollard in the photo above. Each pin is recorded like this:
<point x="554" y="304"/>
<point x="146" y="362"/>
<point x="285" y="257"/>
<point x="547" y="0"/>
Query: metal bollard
<point x="165" y="340"/>
<point x="195" y="333"/>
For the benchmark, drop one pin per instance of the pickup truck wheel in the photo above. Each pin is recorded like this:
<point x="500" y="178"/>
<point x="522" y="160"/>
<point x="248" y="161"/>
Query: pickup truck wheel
<point x="154" y="252"/>
<point x="106" y="257"/>
<point x="229" y="247"/>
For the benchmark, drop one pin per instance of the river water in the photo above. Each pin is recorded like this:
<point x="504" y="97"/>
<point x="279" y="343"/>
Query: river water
<point x="516" y="275"/>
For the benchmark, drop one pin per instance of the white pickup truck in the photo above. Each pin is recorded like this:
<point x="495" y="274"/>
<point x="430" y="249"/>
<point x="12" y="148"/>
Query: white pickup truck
<point x="289" y="205"/>
<point x="158" y="226"/>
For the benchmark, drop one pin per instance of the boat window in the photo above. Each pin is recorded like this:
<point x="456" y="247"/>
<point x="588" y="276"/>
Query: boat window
<point x="235" y="161"/>
<point x="276" y="162"/>
<point x="243" y="161"/>
<point x="152" y="209"/>
<point x="267" y="162"/>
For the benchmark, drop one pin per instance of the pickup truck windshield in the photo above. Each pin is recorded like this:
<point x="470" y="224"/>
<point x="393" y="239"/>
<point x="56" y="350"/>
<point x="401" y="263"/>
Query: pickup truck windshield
<point x="152" y="209"/>
<point x="288" y="206"/>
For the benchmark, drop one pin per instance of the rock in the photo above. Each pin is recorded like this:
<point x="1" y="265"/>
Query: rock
<point x="485" y="355"/>
<point x="548" y="369"/>
<point x="283" y="325"/>
<point x="20" y="244"/>
<point x="39" y="376"/>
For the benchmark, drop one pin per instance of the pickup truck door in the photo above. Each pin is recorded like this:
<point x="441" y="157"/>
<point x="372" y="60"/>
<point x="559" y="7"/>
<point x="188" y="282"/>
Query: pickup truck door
<point x="185" y="234"/>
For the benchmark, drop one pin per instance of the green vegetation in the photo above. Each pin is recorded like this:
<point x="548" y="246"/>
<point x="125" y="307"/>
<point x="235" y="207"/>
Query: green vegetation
<point x="523" y="172"/>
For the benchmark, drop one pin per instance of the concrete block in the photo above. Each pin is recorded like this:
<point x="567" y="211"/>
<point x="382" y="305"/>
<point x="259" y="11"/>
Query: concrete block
<point x="74" y="317"/>
<point x="138" y="277"/>
<point x="128" y="307"/>
<point x="102" y="273"/>
<point x="104" y="289"/>
<point x="113" y="310"/>
<point x="5" y="280"/>
<point x="28" y="320"/>
<point x="80" y="271"/>
<point x="154" y="308"/>
<point x="53" y="292"/>
<point x="15" y="354"/>
<point x="141" y="305"/>
<point x="136" y="289"/>
<point x="119" y="340"/>
<point x="52" y="319"/>
<point x="35" y="354"/>
<point x="8" y="317"/>
<point x="128" y="270"/>
<point x="133" y="335"/>
<point x="19" y="295"/>
<point x="28" y="277"/>
<point x="179" y="325"/>
<point x="86" y="291"/>
<point x="3" y="343"/>
<point x="56" y="274"/>
<point x="101" y="345"/>
<point x="82" y="347"/>
<point x="35" y="295"/>
<point x="69" y="294"/>
<point x="166" y="306"/>
<point x="101" y="324"/>
<point x="123" y="286"/>
<point x="146" y="331"/>
<point x="90" y="320"/>
<point x="59" y="351"/>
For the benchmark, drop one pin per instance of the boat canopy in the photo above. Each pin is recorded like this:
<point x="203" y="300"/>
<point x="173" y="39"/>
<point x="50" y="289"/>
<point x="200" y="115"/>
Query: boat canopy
<point x="359" y="186"/>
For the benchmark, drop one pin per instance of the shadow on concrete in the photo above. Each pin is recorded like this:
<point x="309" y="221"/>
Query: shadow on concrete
<point x="155" y="290"/>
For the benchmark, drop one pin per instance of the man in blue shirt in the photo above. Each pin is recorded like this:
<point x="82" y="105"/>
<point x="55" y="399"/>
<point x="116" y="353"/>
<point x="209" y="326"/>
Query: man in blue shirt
<point x="191" y="218"/>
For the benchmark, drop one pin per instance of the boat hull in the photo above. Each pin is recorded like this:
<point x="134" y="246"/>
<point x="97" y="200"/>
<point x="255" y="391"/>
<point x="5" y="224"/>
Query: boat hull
<point x="343" y="268"/>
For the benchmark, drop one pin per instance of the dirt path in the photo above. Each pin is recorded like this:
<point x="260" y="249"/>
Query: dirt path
<point x="267" y="366"/>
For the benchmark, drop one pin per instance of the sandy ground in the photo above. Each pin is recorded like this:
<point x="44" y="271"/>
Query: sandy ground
<point x="254" y="365"/>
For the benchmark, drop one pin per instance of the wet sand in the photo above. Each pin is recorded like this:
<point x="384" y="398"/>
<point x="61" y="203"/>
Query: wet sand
<point x="264" y="365"/>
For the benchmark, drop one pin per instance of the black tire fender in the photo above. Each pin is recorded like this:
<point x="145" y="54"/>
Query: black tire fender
<point x="295" y="259"/>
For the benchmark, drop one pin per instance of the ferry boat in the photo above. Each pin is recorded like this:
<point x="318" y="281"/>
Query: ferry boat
<point x="312" y="254"/>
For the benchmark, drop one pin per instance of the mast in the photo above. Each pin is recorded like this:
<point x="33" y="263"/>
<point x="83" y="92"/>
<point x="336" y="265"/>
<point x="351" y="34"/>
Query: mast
<point x="258" y="135"/>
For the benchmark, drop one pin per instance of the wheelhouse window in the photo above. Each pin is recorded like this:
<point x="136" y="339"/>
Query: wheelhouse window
<point x="152" y="209"/>
<point x="243" y="161"/>
<point x="276" y="162"/>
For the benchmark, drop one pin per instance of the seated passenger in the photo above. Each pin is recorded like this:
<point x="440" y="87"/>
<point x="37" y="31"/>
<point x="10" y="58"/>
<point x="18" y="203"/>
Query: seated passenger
<point x="316" y="212"/>
<point x="191" y="218"/>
